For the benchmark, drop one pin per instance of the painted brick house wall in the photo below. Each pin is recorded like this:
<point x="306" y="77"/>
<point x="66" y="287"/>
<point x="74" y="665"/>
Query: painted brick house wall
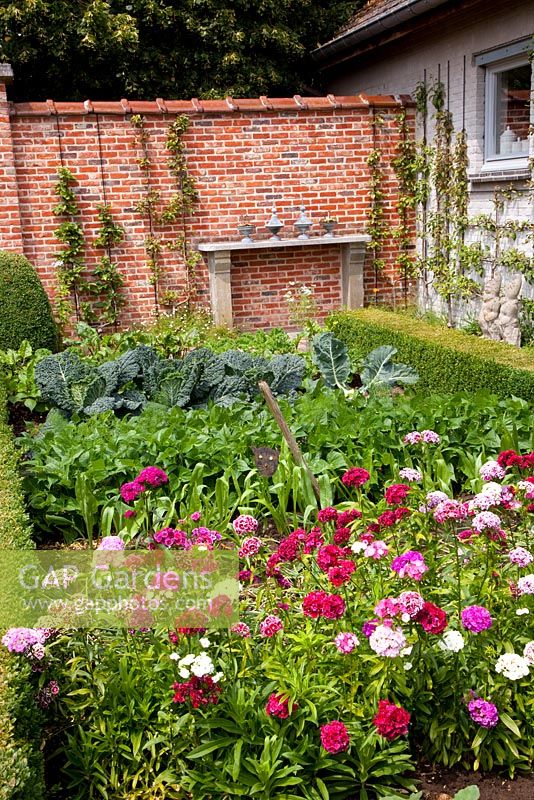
<point x="245" y="156"/>
<point x="444" y="44"/>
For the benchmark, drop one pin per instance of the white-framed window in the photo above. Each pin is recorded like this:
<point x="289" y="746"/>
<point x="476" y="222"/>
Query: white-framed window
<point x="508" y="86"/>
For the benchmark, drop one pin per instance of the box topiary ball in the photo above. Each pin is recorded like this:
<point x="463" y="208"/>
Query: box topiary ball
<point x="25" y="311"/>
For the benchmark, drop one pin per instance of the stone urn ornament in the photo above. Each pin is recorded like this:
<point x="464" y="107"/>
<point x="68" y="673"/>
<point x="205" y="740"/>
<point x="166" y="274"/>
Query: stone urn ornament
<point x="303" y="224"/>
<point x="246" y="229"/>
<point x="275" y="226"/>
<point x="328" y="224"/>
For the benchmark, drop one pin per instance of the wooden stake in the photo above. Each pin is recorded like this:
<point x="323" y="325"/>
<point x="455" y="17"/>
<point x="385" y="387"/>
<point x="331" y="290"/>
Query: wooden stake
<point x="288" y="436"/>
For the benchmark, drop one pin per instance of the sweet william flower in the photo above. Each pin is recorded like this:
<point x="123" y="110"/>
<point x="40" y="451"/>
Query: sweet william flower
<point x="346" y="642"/>
<point x="391" y="721"/>
<point x="432" y="618"/>
<point x="278" y="706"/>
<point x="485" y="520"/>
<point x="111" y="543"/>
<point x="355" y="477"/>
<point x="525" y="585"/>
<point x="131" y="491"/>
<point x="271" y="625"/>
<point x="476" y="619"/>
<point x="386" y="641"/>
<point x="411" y="475"/>
<point x="335" y="737"/>
<point x="453" y="641"/>
<point x="483" y="712"/>
<point x="528" y="653"/>
<point x="245" y="523"/>
<point x="512" y="666"/>
<point x="521" y="556"/>
<point x="492" y="471"/>
<point x="152" y="477"/>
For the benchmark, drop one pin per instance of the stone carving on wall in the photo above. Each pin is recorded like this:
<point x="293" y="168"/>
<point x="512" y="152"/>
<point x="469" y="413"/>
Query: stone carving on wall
<point x="499" y="316"/>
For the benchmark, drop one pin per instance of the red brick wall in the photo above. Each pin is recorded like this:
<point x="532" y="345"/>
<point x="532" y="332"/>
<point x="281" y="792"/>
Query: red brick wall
<point x="244" y="155"/>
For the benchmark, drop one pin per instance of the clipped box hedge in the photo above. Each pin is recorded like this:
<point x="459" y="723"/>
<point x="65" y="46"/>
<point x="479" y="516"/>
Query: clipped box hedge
<point x="447" y="360"/>
<point x="21" y="761"/>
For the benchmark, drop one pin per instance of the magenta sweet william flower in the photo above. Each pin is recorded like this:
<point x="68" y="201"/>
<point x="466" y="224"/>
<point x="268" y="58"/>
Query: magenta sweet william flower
<point x="270" y="626"/>
<point x="521" y="556"/>
<point x="370" y="626"/>
<point x="241" y="629"/>
<point x="391" y="721"/>
<point x="476" y="619"/>
<point x="328" y="514"/>
<point x="278" y="706"/>
<point x="250" y="546"/>
<point x="396" y="494"/>
<point x="131" y="491"/>
<point x="483" y="712"/>
<point x="341" y="573"/>
<point x="195" y="516"/>
<point x="245" y="523"/>
<point x="335" y="737"/>
<point x="152" y="477"/>
<point x="409" y="565"/>
<point x="355" y="477"/>
<point x="321" y="604"/>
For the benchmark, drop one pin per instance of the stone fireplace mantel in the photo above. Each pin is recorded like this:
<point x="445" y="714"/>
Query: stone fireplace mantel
<point x="219" y="257"/>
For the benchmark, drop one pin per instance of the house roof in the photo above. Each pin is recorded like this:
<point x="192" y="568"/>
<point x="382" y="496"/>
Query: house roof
<point x="375" y="17"/>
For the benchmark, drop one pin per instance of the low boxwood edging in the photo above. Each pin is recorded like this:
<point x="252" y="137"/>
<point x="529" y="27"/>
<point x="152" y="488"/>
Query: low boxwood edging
<point x="447" y="360"/>
<point x="21" y="761"/>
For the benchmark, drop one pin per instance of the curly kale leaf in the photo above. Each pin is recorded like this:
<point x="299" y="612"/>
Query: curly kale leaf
<point x="210" y="370"/>
<point x="288" y="372"/>
<point x="64" y="380"/>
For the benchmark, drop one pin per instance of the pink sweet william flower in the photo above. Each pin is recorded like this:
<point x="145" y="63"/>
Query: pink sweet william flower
<point x="525" y="585"/>
<point x="377" y="549"/>
<point x="492" y="471"/>
<point x="409" y="565"/>
<point x="485" y="520"/>
<point x="321" y="604"/>
<point x="333" y="606"/>
<point x="391" y="721"/>
<point x="17" y="640"/>
<point x="396" y="494"/>
<point x="449" y="509"/>
<point x="412" y="602"/>
<point x="434" y="498"/>
<point x="411" y="475"/>
<point x="152" y="477"/>
<point x="528" y="653"/>
<point x="278" y="706"/>
<point x="195" y="516"/>
<point x="346" y="642"/>
<point x="271" y="625"/>
<point x="335" y="737"/>
<point x="521" y="556"/>
<point x="111" y="543"/>
<point x="341" y="573"/>
<point x="245" y="524"/>
<point x="355" y="477"/>
<point x="250" y="547"/>
<point x="388" y="607"/>
<point x="413" y="438"/>
<point x="386" y="641"/>
<point x="476" y="619"/>
<point x="528" y="487"/>
<point x="430" y="437"/>
<point x="131" y="491"/>
<point x="241" y="629"/>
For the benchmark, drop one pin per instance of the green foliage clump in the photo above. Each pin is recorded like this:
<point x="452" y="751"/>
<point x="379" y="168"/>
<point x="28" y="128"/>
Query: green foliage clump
<point x="26" y="311"/>
<point x="14" y="524"/>
<point x="21" y="762"/>
<point x="126" y="384"/>
<point x="153" y="48"/>
<point x="446" y="360"/>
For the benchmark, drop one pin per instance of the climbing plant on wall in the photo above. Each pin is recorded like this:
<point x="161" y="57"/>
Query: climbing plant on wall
<point x="69" y="260"/>
<point x="107" y="282"/>
<point x="176" y="210"/>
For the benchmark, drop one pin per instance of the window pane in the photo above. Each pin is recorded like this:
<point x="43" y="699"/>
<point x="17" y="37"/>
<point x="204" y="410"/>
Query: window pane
<point x="512" y="111"/>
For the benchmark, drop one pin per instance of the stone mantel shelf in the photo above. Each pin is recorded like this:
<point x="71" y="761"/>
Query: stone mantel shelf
<point x="267" y="244"/>
<point x="219" y="258"/>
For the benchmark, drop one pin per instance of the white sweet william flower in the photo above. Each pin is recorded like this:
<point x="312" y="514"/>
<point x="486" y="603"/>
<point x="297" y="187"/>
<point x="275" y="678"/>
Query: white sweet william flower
<point x="184" y="673"/>
<point x="512" y="666"/>
<point x="187" y="660"/>
<point x="174" y="656"/>
<point x="204" y="642"/>
<point x="358" y="547"/>
<point x="217" y="677"/>
<point x="522" y="611"/>
<point x="528" y="653"/>
<point x="202" y="665"/>
<point x="453" y="641"/>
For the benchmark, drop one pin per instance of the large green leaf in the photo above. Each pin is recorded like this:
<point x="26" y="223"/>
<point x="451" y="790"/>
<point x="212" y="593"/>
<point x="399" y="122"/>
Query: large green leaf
<point x="330" y="355"/>
<point x="378" y="368"/>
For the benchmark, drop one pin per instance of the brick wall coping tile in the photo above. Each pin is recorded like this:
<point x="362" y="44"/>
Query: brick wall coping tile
<point x="194" y="106"/>
<point x="263" y="244"/>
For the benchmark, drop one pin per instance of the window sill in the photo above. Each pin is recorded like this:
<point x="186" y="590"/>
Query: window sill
<point x="493" y="175"/>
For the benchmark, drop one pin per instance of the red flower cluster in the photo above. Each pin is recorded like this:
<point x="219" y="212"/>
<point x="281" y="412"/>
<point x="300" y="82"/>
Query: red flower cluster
<point x="391" y="721"/>
<point x="509" y="458"/>
<point x="396" y="494"/>
<point x="322" y="604"/>
<point x="278" y="706"/>
<point x="199" y="691"/>
<point x="293" y="546"/>
<point x="389" y="518"/>
<point x="341" y="519"/>
<point x="432" y="618"/>
<point x="335" y="737"/>
<point x="355" y="477"/>
<point x="333" y="560"/>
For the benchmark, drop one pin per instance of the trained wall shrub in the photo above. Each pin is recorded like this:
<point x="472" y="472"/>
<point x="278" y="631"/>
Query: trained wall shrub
<point x="447" y="360"/>
<point x="26" y="311"/>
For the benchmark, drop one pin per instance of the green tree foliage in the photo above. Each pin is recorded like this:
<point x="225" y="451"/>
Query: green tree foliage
<point x="164" y="48"/>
